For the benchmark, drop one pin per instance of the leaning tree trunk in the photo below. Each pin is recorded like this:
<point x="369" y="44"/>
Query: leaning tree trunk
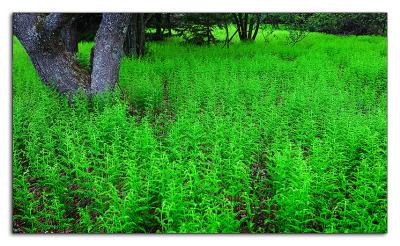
<point x="250" y="30"/>
<point x="56" y="65"/>
<point x="258" y="22"/>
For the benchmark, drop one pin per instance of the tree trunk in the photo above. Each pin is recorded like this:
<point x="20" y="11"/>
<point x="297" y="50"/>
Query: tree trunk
<point x="69" y="34"/>
<point x="131" y="40"/>
<point x="239" y="24"/>
<point x="250" y="30"/>
<point x="108" y="51"/>
<point x="257" y="26"/>
<point x="226" y="32"/>
<point x="246" y="16"/>
<point x="56" y="65"/>
<point x="169" y="26"/>
<point x="140" y="35"/>
<point x="159" y="33"/>
<point x="134" y="45"/>
<point x="245" y="25"/>
<point x="208" y="32"/>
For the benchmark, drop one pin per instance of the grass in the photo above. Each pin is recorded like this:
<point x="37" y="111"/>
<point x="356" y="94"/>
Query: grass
<point x="260" y="137"/>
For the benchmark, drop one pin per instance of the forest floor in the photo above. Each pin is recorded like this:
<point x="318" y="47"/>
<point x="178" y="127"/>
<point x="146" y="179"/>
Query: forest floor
<point x="257" y="137"/>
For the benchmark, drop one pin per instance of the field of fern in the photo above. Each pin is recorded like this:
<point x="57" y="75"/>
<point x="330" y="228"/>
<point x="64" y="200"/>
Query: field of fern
<point x="258" y="137"/>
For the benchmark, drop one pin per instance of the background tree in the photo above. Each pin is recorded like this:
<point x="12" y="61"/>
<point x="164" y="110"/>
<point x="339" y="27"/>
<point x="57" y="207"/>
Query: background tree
<point x="269" y="24"/>
<point x="247" y="25"/>
<point x="168" y="22"/>
<point x="335" y="23"/>
<point x="198" y="28"/>
<point x="297" y="26"/>
<point x="87" y="25"/>
<point x="159" y="24"/>
<point x="162" y="23"/>
<point x="134" y="45"/>
<point x="69" y="34"/>
<point x="348" y="23"/>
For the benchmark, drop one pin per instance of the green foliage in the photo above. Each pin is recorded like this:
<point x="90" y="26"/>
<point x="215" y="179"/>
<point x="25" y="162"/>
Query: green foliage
<point x="255" y="138"/>
<point x="349" y="23"/>
<point x="198" y="29"/>
<point x="337" y="23"/>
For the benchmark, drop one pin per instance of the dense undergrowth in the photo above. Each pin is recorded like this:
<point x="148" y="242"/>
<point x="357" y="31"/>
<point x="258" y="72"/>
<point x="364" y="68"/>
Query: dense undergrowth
<point x="258" y="137"/>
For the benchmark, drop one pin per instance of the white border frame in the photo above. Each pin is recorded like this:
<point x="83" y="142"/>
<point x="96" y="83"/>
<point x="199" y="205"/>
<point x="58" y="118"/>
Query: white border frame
<point x="8" y="7"/>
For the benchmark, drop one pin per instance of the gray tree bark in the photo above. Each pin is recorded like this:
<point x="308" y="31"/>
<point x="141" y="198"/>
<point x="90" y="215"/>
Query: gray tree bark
<point x="108" y="51"/>
<point x="54" y="65"/>
<point x="54" y="62"/>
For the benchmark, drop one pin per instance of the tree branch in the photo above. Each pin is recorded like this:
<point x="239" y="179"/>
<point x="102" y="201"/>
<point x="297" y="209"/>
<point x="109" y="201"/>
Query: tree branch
<point x="257" y="26"/>
<point x="23" y="23"/>
<point x="238" y="21"/>
<point x="52" y="24"/>
<point x="233" y="35"/>
<point x="147" y="18"/>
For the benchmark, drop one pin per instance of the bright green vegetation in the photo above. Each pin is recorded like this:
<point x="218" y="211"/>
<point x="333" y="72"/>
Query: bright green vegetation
<point x="259" y="137"/>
